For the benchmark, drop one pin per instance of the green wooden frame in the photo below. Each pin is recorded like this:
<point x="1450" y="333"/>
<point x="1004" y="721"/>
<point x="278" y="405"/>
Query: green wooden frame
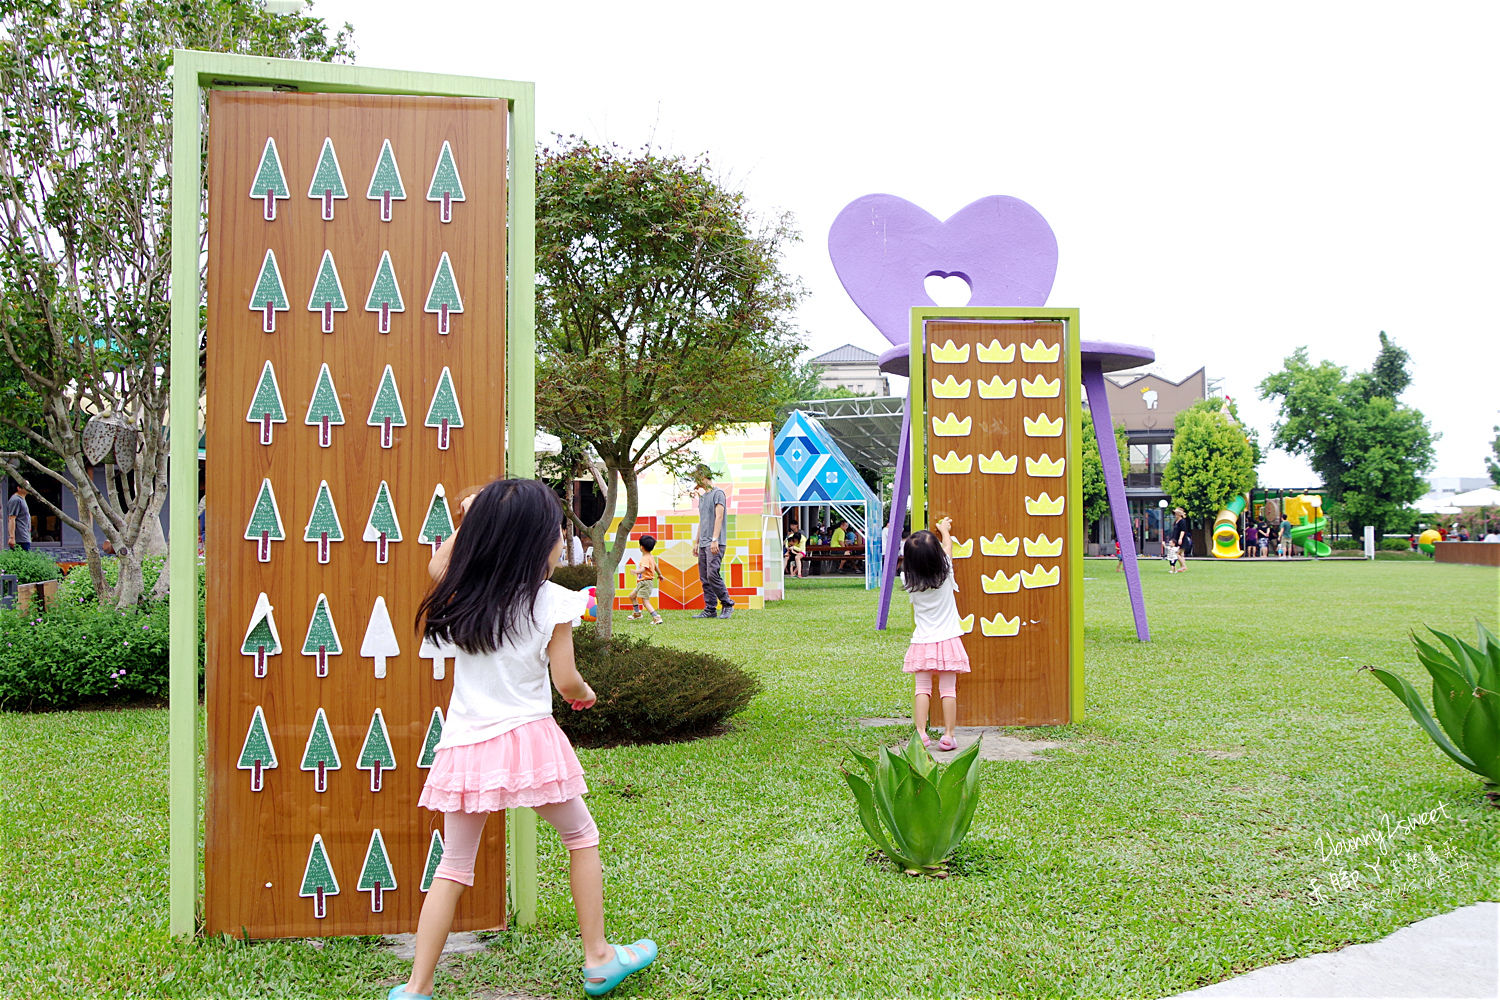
<point x="1073" y="397"/>
<point x="194" y="72"/>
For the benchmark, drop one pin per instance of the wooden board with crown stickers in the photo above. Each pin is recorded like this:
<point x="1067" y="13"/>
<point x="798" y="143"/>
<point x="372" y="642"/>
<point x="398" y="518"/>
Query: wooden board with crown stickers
<point x="996" y="417"/>
<point x="323" y="707"/>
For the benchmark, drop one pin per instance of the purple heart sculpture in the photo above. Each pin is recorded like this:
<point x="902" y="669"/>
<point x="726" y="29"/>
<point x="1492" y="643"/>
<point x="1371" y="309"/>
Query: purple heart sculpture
<point x="884" y="248"/>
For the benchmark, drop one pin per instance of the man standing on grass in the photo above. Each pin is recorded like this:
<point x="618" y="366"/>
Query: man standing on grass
<point x="18" y="520"/>
<point x="712" y="539"/>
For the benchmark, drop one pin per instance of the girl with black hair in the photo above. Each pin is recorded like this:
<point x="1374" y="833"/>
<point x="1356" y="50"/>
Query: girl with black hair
<point x="937" y="645"/>
<point x="494" y="611"/>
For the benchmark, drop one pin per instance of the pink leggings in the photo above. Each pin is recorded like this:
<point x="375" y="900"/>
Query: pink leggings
<point x="461" y="833"/>
<point x="947" y="683"/>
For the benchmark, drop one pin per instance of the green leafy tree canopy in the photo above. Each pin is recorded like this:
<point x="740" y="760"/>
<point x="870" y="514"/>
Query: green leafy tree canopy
<point x="1212" y="459"/>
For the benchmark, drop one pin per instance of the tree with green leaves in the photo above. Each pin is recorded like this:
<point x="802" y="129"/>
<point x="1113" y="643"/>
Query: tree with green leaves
<point x="663" y="313"/>
<point x="1212" y="459"/>
<point x="1492" y="462"/>
<point x="1371" y="451"/>
<point x="85" y="245"/>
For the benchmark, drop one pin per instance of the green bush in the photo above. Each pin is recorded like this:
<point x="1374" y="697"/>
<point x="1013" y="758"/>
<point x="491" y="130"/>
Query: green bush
<point x="576" y="577"/>
<point x="78" y="652"/>
<point x="650" y="694"/>
<point x="27" y="567"/>
<point x="1345" y="544"/>
<point x="78" y="584"/>
<point x="1394" y="545"/>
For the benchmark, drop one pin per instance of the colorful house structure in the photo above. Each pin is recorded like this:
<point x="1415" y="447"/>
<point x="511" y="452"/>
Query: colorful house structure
<point x="811" y="471"/>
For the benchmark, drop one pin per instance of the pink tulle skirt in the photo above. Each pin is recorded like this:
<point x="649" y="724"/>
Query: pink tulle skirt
<point x="948" y="655"/>
<point x="532" y="765"/>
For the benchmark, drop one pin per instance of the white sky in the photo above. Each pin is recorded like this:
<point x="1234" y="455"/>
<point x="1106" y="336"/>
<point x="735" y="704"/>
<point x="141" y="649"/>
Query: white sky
<point x="1225" y="182"/>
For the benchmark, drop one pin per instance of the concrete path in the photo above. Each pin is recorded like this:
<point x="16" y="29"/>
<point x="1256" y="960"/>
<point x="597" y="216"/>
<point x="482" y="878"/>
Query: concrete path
<point x="1454" y="956"/>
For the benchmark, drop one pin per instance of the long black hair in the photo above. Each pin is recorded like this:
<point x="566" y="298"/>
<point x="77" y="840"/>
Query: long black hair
<point x="499" y="562"/>
<point x="924" y="566"/>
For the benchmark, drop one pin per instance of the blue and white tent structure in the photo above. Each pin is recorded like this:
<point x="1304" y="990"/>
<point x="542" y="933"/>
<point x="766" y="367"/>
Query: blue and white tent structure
<point x="811" y="471"/>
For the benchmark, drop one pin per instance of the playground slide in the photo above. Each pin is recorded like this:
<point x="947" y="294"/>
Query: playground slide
<point x="1302" y="535"/>
<point x="1226" y="536"/>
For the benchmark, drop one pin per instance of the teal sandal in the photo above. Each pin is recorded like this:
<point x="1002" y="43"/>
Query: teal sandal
<point x="399" y="993"/>
<point x="613" y="972"/>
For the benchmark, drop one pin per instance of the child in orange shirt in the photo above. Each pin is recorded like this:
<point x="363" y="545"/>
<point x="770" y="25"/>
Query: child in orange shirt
<point x="645" y="586"/>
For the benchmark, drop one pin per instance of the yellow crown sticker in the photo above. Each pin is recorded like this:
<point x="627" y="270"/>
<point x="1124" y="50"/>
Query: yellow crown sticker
<point x="966" y="623"/>
<point x="1000" y="626"/>
<point x="1040" y="387"/>
<point x="1000" y="583"/>
<point x="951" y="426"/>
<point x="994" y="388"/>
<point x="950" y="464"/>
<point x="950" y="388"/>
<point x="999" y="545"/>
<point x="1039" y="353"/>
<point x="997" y="464"/>
<point x="1044" y="505"/>
<point x="1042" y="426"/>
<point x="1043" y="547"/>
<point x="964" y="549"/>
<point x="1038" y="576"/>
<point x="1044" y="466"/>
<point x="993" y="354"/>
<point x="950" y="354"/>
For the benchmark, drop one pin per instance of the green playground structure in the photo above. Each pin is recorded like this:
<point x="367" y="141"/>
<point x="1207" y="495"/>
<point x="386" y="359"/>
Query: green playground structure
<point x="1226" y="535"/>
<point x="1306" y="515"/>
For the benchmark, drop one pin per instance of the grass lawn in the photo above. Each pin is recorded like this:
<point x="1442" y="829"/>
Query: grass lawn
<point x="1175" y="840"/>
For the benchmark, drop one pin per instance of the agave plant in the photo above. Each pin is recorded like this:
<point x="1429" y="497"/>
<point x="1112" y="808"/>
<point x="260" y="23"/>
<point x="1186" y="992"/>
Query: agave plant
<point x="1465" y="699"/>
<point x="916" y="810"/>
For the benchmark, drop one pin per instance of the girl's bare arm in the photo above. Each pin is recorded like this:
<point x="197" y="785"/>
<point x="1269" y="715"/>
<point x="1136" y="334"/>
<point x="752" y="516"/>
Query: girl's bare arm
<point x="565" y="676"/>
<point x="945" y="533"/>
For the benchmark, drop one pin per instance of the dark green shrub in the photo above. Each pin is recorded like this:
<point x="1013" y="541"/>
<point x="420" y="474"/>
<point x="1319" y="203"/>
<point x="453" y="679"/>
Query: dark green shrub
<point x="1345" y="544"/>
<point x="78" y="584"/>
<point x="650" y="694"/>
<point x="78" y="652"/>
<point x="28" y="567"/>
<point x="576" y="577"/>
<point x="1394" y="545"/>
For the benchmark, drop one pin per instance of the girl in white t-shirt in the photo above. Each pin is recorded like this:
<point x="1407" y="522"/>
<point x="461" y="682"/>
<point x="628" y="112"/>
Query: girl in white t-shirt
<point x="937" y="645"/>
<point x="505" y="624"/>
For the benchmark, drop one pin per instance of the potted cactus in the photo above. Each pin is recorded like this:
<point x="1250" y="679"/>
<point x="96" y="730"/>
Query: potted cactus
<point x="916" y="810"/>
<point x="1465" y="718"/>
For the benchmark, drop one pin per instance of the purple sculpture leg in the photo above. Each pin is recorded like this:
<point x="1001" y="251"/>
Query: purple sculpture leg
<point x="1114" y="486"/>
<point x="899" y="492"/>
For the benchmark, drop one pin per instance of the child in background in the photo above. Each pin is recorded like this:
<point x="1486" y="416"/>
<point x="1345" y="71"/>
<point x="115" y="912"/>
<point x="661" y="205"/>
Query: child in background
<point x="505" y="624"/>
<point x="645" y="581"/>
<point x="1172" y="556"/>
<point x="1119" y="558"/>
<point x="937" y="645"/>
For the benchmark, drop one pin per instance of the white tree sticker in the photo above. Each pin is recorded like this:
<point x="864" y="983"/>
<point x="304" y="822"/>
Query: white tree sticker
<point x="380" y="643"/>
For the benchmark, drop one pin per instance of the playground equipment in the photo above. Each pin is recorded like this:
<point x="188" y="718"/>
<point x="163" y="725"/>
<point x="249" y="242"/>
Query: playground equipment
<point x="1427" y="540"/>
<point x="1305" y="512"/>
<point x="1226" y="535"/>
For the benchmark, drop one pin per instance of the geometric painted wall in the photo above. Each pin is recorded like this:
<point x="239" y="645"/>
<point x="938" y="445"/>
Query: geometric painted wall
<point x="811" y="470"/>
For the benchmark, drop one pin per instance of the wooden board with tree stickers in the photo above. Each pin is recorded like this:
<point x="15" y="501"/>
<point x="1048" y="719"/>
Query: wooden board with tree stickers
<point x="318" y="744"/>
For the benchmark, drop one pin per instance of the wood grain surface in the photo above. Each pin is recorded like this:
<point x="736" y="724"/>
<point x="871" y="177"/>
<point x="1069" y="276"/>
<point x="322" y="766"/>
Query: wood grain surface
<point x="1020" y="679"/>
<point x="258" y="842"/>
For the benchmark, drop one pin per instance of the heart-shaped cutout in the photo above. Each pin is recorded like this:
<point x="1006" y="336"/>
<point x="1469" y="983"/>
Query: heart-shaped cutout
<point x="884" y="248"/>
<point x="948" y="290"/>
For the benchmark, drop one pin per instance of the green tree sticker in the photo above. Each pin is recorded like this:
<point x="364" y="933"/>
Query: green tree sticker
<point x="376" y="756"/>
<point x="261" y="638"/>
<point x="380" y="643"/>
<point x="430" y="741"/>
<point x="385" y="293"/>
<point x="446" y="186"/>
<point x="265" y="522"/>
<point x="265" y="405"/>
<point x="385" y="183"/>
<point x="434" y="858"/>
<point x="327" y="295"/>
<point x="317" y="878"/>
<point x="376" y="877"/>
<point x="327" y="181"/>
<point x="269" y="297"/>
<point x="324" y="410"/>
<point x="442" y="296"/>
<point x="320" y="755"/>
<point x="257" y="755"/>
<point x="382" y="527"/>
<point x="323" y="524"/>
<point x="269" y="185"/>
<point x="386" y="411"/>
<point x="322" y="636"/>
<point x="438" y="524"/>
<point x="443" y="412"/>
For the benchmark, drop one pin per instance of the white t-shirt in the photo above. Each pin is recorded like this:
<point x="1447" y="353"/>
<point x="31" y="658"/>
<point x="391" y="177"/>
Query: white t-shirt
<point x="494" y="693"/>
<point x="936" y="611"/>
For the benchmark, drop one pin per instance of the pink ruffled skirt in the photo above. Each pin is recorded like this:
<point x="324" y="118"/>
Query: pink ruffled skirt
<point x="531" y="765"/>
<point x="948" y="655"/>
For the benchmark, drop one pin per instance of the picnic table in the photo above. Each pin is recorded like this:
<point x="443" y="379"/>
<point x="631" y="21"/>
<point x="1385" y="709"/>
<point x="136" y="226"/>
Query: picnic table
<point x="854" y="554"/>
